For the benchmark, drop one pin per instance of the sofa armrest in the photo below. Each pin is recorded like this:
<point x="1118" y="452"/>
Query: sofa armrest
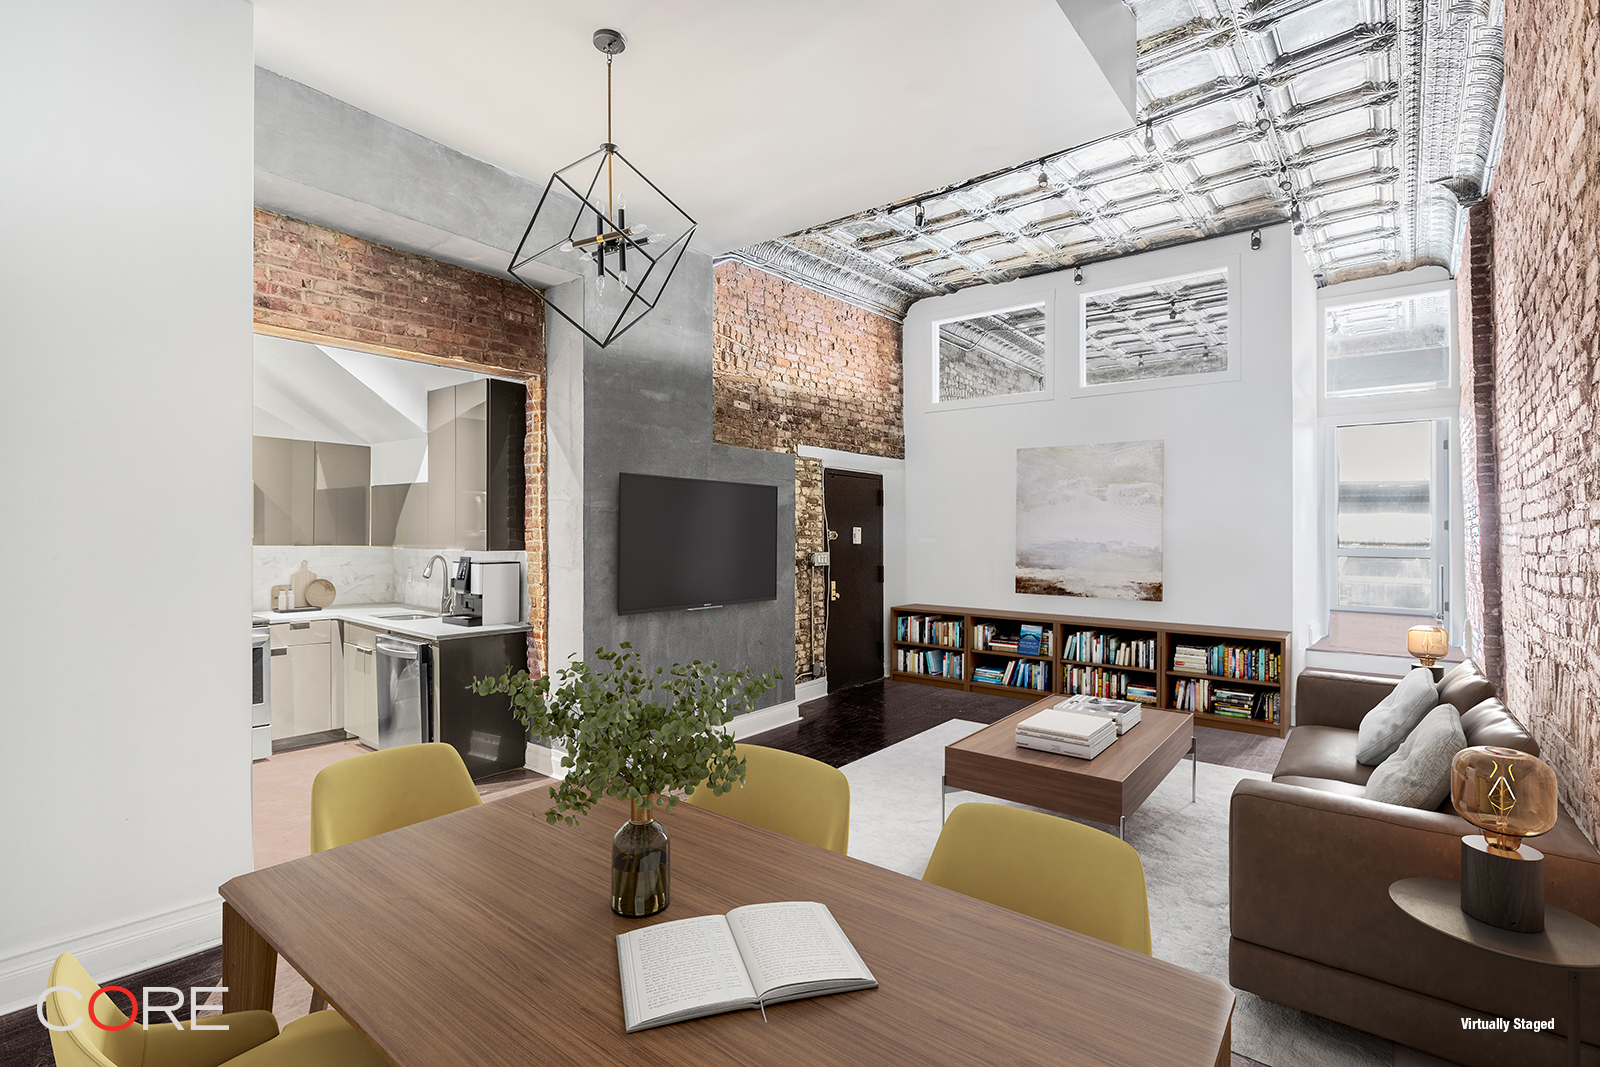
<point x="1309" y="875"/>
<point x="1338" y="698"/>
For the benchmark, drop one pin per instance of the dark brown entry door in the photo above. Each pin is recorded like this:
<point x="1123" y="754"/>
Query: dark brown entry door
<point x="854" y="505"/>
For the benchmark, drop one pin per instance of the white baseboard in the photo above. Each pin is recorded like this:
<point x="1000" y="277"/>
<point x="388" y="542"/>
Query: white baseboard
<point x="810" y="690"/>
<point x="113" y="951"/>
<point x="759" y="722"/>
<point x="543" y="760"/>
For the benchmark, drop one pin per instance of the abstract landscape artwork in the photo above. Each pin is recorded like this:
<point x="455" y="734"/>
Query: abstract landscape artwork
<point x="1089" y="520"/>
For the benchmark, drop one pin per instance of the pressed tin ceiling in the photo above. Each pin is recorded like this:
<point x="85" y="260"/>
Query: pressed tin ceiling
<point x="1369" y="121"/>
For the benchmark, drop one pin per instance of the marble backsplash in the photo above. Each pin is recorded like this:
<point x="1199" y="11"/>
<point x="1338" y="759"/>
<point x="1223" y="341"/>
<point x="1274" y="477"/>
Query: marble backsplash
<point x="362" y="575"/>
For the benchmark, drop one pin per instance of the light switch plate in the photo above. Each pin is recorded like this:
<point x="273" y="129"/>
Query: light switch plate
<point x="855" y="535"/>
<point x="821" y="559"/>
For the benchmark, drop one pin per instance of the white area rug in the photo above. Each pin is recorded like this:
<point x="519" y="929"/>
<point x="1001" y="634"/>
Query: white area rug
<point x="894" y="822"/>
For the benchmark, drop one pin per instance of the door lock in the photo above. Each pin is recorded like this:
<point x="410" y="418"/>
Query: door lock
<point x="833" y="590"/>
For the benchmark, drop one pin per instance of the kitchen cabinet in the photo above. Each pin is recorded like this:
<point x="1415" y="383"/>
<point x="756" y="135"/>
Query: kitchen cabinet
<point x="360" y="685"/>
<point x="302" y="678"/>
<point x="476" y="485"/>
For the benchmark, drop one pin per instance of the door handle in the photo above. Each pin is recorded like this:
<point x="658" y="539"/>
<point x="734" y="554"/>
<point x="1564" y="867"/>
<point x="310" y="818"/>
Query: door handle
<point x="833" y="590"/>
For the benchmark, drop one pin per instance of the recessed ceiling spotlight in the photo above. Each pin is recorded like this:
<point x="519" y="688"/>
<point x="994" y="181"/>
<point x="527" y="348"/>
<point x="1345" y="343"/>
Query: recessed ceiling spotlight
<point x="1255" y="240"/>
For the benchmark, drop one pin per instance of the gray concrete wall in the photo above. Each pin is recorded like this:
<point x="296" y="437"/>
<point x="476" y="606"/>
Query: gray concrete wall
<point x="647" y="410"/>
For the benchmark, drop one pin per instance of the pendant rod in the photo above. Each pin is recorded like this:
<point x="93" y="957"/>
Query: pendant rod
<point x="611" y="210"/>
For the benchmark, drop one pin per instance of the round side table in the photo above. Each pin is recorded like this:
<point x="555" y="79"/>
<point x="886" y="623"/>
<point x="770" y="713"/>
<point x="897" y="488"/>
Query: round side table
<point x="1567" y="941"/>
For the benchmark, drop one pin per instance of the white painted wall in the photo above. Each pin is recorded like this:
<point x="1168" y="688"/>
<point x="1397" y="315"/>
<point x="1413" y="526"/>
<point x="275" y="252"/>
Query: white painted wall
<point x="125" y="411"/>
<point x="1228" y="522"/>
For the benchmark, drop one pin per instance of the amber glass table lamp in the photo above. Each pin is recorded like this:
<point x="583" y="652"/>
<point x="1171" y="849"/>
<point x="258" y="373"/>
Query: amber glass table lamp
<point x="1429" y="644"/>
<point x="1509" y="795"/>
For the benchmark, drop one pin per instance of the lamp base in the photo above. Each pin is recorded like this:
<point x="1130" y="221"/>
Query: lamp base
<point x="1432" y="668"/>
<point x="1503" y="891"/>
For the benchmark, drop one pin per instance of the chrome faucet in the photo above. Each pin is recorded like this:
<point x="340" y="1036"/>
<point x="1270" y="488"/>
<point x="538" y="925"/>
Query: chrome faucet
<point x="444" y="593"/>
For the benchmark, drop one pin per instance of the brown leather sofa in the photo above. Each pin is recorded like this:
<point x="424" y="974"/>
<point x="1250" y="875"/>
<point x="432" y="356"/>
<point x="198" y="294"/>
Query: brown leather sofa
<point x="1310" y="865"/>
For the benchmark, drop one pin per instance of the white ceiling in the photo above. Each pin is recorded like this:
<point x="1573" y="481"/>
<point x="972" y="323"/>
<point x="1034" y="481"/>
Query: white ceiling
<point x="759" y="118"/>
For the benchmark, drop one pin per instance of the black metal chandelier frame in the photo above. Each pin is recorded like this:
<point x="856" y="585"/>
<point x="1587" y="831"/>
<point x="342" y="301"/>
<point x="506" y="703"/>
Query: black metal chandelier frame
<point x="612" y="239"/>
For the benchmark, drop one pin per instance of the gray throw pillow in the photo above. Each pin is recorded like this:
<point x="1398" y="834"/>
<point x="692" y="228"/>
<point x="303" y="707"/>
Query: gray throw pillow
<point x="1386" y="725"/>
<point x="1418" y="774"/>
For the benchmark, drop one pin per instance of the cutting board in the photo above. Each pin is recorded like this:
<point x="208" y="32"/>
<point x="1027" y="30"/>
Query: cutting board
<point x="298" y="582"/>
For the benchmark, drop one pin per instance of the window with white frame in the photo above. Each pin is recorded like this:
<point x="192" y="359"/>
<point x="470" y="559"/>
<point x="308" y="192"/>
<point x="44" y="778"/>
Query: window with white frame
<point x="1389" y="543"/>
<point x="1396" y="344"/>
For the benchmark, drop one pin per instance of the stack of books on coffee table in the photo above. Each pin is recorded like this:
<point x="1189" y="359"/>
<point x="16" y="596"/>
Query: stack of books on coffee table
<point x="1067" y="733"/>
<point x="1125" y="712"/>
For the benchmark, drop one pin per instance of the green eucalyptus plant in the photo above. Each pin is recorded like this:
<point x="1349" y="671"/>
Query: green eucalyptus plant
<point x="631" y="732"/>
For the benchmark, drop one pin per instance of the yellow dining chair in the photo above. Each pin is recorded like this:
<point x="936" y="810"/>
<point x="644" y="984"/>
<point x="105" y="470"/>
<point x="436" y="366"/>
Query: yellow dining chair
<point x="322" y="1039"/>
<point x="788" y="794"/>
<point x="376" y="792"/>
<point x="1053" y="869"/>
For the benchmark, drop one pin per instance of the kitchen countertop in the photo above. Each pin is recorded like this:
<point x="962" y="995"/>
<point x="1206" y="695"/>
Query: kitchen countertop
<point x="429" y="629"/>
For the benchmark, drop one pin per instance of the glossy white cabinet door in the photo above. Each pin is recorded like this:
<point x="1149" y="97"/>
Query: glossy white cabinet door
<point x="311" y="679"/>
<point x="360" y="694"/>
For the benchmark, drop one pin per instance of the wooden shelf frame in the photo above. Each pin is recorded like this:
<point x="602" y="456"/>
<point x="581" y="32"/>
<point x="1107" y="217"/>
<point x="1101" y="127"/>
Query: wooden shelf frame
<point x="1059" y="627"/>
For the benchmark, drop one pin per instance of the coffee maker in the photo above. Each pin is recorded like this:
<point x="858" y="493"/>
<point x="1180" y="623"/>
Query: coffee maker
<point x="486" y="592"/>
<point x="466" y="607"/>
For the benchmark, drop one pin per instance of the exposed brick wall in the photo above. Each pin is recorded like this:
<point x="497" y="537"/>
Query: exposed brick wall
<point x="328" y="285"/>
<point x="1480" y="474"/>
<point x="794" y="367"/>
<point x="1545" y="267"/>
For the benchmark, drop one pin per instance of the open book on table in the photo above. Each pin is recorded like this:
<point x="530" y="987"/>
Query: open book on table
<point x="755" y="955"/>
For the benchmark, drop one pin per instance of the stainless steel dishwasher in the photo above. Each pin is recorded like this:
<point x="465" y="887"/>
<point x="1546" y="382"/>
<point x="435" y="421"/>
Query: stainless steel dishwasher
<point x="405" y="691"/>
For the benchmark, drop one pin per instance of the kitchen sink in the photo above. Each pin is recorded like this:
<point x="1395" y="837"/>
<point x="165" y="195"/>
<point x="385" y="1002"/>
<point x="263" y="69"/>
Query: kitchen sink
<point x="407" y="615"/>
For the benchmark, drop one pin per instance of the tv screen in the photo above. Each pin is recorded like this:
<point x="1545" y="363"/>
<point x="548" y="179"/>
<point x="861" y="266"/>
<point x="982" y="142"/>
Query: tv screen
<point x="688" y="543"/>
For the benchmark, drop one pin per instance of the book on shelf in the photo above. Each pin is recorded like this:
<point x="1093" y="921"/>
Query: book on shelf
<point x="987" y="637"/>
<point x="1247" y="663"/>
<point x="1032" y="637"/>
<point x="1069" y="733"/>
<point x="754" y="956"/>
<point x="1114" y="684"/>
<point x="928" y="630"/>
<point x="928" y="661"/>
<point x="1125" y="713"/>
<point x="1020" y="674"/>
<point x="1201" y="695"/>
<point x="1092" y="646"/>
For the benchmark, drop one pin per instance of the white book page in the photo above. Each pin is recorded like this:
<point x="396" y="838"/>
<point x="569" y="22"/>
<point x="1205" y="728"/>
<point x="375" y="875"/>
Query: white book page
<point x="680" y="966"/>
<point x="794" y="943"/>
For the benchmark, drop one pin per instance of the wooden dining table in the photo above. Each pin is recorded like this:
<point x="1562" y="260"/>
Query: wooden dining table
<point x="486" y="937"/>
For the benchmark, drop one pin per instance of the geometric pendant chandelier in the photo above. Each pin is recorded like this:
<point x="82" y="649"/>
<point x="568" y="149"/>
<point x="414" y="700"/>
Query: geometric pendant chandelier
<point x="628" y="266"/>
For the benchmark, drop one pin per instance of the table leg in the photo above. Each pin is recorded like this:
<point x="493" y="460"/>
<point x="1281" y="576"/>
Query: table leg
<point x="1574" y="1041"/>
<point x="249" y="965"/>
<point x="1194" y="771"/>
<point x="1122" y="826"/>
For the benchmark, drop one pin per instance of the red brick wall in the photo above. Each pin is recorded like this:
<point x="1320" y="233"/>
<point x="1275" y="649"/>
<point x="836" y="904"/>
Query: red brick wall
<point x="1544" y="311"/>
<point x="794" y="367"/>
<point x="1480" y="478"/>
<point x="323" y="285"/>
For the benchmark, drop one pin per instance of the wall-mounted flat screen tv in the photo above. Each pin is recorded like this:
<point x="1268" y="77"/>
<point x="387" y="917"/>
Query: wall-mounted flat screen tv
<point x="690" y="543"/>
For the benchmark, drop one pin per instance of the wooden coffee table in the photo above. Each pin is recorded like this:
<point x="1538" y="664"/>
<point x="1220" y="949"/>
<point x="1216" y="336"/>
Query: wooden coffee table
<point x="1107" y="789"/>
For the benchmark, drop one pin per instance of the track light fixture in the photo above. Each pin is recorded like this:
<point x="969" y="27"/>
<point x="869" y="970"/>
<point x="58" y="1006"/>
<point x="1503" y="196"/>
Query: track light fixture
<point x="1077" y="276"/>
<point x="1255" y="240"/>
<point x="920" y="216"/>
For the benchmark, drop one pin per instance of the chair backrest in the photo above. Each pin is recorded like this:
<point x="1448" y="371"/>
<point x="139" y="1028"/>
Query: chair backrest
<point x="376" y="792"/>
<point x="87" y="1045"/>
<point x="1053" y="869"/>
<point x="788" y="794"/>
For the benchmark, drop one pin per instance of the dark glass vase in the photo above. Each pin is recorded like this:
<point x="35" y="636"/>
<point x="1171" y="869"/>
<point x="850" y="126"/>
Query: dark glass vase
<point x="640" y="871"/>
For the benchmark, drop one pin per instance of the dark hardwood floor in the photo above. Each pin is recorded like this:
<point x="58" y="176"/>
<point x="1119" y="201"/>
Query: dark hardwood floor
<point x="843" y="727"/>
